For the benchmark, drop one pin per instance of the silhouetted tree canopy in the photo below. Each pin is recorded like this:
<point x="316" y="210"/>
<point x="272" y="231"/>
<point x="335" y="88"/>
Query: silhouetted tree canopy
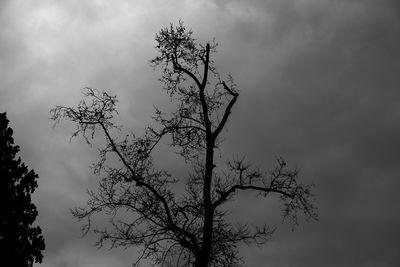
<point x="179" y="227"/>
<point x="21" y="244"/>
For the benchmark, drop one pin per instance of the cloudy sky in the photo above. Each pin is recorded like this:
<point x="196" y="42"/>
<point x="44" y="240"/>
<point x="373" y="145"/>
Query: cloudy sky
<point x="319" y="83"/>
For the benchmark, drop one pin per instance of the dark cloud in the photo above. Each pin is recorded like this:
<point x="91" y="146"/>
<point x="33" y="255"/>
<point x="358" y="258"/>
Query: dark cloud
<point x="330" y="104"/>
<point x="319" y="85"/>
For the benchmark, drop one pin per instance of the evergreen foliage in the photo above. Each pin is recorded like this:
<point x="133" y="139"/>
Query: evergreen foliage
<point x="21" y="244"/>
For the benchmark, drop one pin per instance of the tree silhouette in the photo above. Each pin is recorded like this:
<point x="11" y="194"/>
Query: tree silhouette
<point x="21" y="244"/>
<point x="144" y="204"/>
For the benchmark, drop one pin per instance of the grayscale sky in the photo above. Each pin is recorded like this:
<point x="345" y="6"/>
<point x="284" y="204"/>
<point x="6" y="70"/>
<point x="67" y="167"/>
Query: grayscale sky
<point x="319" y="83"/>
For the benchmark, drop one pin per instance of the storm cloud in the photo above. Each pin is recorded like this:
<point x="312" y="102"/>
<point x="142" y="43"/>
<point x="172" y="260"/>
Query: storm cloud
<point x="319" y="85"/>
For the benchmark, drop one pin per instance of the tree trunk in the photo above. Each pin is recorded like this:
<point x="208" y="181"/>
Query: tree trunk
<point x="206" y="248"/>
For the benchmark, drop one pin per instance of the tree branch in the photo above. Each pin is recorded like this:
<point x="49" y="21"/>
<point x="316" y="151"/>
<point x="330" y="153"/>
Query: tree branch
<point x="140" y="182"/>
<point x="224" y="195"/>
<point x="179" y="67"/>
<point x="227" y="110"/>
<point x="206" y="66"/>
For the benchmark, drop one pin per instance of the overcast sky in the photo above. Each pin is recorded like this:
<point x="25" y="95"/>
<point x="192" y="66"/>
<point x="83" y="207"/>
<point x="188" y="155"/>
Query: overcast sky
<point x="319" y="82"/>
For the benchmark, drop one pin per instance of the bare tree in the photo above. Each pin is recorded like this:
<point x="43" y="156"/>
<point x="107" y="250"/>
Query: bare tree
<point x="176" y="228"/>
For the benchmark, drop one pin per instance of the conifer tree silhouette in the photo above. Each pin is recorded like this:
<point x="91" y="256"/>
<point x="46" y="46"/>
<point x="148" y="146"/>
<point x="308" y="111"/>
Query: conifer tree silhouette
<point x="21" y="244"/>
